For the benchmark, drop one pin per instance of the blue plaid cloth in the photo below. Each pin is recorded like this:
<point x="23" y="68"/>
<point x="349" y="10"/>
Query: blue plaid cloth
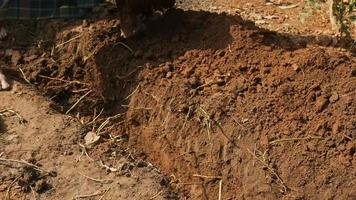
<point x="45" y="9"/>
<point x="3" y="3"/>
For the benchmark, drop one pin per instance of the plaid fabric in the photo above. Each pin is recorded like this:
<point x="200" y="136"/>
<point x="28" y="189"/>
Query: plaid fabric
<point x="45" y="9"/>
<point x="3" y="3"/>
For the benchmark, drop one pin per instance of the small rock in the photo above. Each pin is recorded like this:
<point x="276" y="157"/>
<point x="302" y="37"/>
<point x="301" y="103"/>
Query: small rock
<point x="295" y="67"/>
<point x="91" y="138"/>
<point x="169" y="75"/>
<point x="4" y="85"/>
<point x="334" y="97"/>
<point x="244" y="120"/>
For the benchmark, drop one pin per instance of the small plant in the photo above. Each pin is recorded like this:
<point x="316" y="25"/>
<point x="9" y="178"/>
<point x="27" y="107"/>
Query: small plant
<point x="341" y="14"/>
<point x="308" y="11"/>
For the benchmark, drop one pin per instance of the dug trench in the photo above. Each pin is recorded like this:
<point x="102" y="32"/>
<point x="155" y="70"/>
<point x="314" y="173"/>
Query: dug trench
<point x="220" y="106"/>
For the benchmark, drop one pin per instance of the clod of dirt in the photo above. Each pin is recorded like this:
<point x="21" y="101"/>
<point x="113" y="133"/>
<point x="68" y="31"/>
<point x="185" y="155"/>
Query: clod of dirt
<point x="16" y="57"/>
<point x="32" y="178"/>
<point x="353" y="72"/>
<point x="321" y="103"/>
<point x="42" y="186"/>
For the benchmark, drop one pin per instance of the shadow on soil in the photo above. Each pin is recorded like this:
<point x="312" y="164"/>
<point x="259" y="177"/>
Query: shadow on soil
<point x="171" y="37"/>
<point x="2" y="126"/>
<point x="168" y="38"/>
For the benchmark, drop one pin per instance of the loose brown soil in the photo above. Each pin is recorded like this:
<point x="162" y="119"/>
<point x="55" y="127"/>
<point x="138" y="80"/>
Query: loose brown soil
<point x="218" y="104"/>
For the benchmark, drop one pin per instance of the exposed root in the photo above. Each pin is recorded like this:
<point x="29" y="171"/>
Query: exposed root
<point x="78" y="101"/>
<point x="21" y="119"/>
<point x="281" y="182"/>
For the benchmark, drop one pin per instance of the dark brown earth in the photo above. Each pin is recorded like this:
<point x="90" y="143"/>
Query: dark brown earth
<point x="218" y="104"/>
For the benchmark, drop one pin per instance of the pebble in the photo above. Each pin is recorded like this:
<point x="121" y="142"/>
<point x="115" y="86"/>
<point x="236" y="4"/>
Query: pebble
<point x="334" y="97"/>
<point x="91" y="138"/>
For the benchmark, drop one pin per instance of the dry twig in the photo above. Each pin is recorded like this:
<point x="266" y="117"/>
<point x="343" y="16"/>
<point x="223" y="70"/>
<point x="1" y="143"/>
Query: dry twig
<point x="33" y="193"/>
<point x="97" y="180"/>
<point x="24" y="76"/>
<point x="295" y="139"/>
<point x="207" y="177"/>
<point x="95" y="118"/>
<point x="207" y="121"/>
<point x="220" y="190"/>
<point x="132" y="93"/>
<point x="25" y="163"/>
<point x="88" y="195"/>
<point x="7" y="197"/>
<point x="129" y="74"/>
<point x="238" y="123"/>
<point x="79" y="100"/>
<point x="270" y="169"/>
<point x="106" y="122"/>
<point x="126" y="46"/>
<point x="156" y="195"/>
<point x="102" y="165"/>
<point x="105" y="192"/>
<point x="21" y="119"/>
<point x="63" y="80"/>
<point x="85" y="152"/>
<point x="68" y="41"/>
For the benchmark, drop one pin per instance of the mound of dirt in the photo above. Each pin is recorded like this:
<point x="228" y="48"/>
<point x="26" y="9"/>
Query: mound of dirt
<point x="222" y="107"/>
<point x="251" y="111"/>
